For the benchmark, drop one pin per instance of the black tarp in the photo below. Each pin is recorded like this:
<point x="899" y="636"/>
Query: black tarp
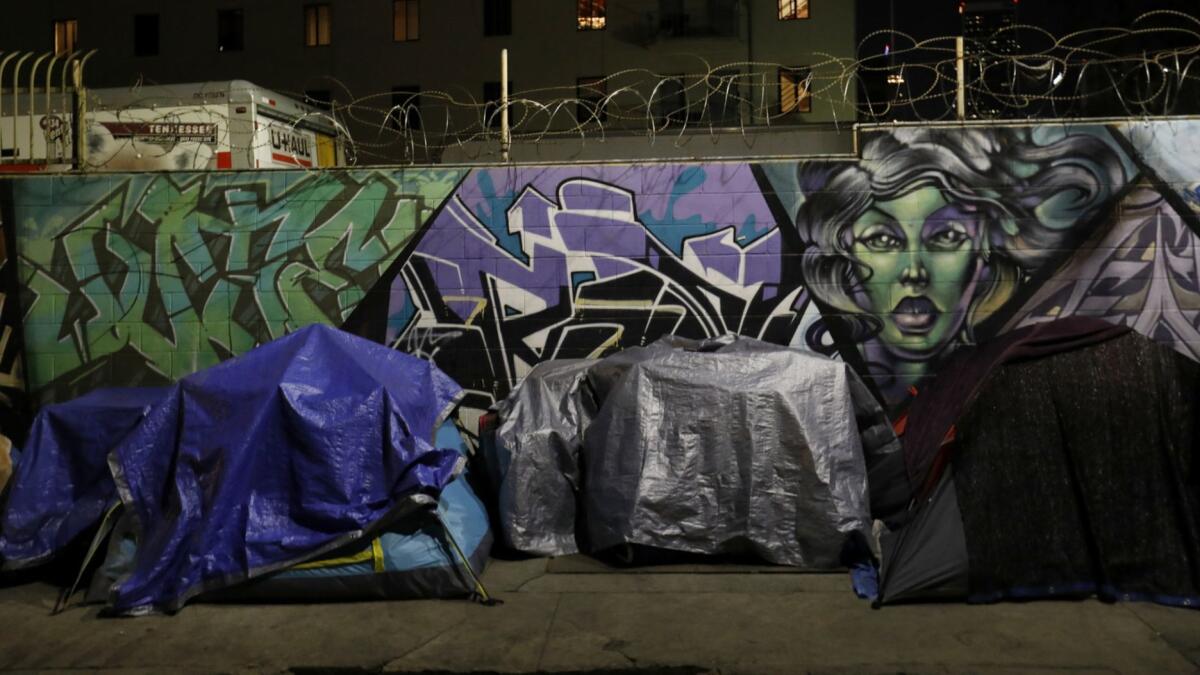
<point x="1073" y="473"/>
<point x="1091" y="456"/>
<point x="927" y="558"/>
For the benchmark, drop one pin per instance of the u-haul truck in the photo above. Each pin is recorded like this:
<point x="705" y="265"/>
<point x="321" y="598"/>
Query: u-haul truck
<point x="181" y="127"/>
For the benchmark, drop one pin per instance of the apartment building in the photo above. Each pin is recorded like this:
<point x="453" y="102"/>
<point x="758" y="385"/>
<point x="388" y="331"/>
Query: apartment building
<point x="416" y="72"/>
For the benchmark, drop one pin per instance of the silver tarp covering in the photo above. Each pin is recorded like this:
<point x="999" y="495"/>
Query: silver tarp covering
<point x="536" y="458"/>
<point x="722" y="446"/>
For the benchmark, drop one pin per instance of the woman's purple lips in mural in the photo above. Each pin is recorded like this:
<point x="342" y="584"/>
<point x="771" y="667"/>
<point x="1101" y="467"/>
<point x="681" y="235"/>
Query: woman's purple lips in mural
<point x="915" y="315"/>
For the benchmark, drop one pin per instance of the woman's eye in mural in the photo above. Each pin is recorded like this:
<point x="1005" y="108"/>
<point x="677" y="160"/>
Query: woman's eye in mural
<point x="951" y="237"/>
<point x="881" y="238"/>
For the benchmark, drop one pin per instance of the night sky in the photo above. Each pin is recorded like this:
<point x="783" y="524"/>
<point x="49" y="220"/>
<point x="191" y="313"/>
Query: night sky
<point x="930" y="18"/>
<point x="925" y="19"/>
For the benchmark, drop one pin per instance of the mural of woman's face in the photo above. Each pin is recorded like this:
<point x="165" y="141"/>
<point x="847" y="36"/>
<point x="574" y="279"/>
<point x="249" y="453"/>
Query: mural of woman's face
<point x="919" y="249"/>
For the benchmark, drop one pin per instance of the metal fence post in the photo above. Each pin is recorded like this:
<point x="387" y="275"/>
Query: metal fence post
<point x="16" y="111"/>
<point x="505" y="132"/>
<point x="33" y="102"/>
<point x="3" y="65"/>
<point x="79" y="122"/>
<point x="961" y="99"/>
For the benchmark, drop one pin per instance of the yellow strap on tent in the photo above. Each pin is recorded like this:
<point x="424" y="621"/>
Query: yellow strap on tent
<point x="372" y="554"/>
<point x="377" y="551"/>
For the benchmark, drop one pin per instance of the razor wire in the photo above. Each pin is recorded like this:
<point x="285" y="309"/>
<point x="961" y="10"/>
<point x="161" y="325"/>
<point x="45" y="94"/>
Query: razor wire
<point x="1021" y="71"/>
<point x="1018" y="72"/>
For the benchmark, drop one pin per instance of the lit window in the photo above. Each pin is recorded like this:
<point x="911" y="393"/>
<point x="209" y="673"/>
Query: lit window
<point x="591" y="92"/>
<point x="793" y="9"/>
<point x="591" y="14"/>
<point x="794" y="96"/>
<point x="66" y="36"/>
<point x="230" y="30"/>
<point x="497" y="17"/>
<point x="318" y="26"/>
<point x="406" y="20"/>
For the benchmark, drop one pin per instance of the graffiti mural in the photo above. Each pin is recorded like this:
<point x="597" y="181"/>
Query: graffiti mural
<point x="933" y="238"/>
<point x="1142" y="272"/>
<point x="916" y="249"/>
<point x="142" y="279"/>
<point x="13" y="400"/>
<point x="524" y="266"/>
<point x="1143" y="269"/>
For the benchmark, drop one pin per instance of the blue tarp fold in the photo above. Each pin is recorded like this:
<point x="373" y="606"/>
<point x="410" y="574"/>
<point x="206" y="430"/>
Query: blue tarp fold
<point x="62" y="485"/>
<point x="294" y="449"/>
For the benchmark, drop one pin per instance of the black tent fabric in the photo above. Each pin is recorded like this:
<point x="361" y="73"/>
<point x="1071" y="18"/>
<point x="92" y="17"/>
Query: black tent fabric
<point x="934" y="411"/>
<point x="927" y="558"/>
<point x="1092" y="454"/>
<point x="1073" y="474"/>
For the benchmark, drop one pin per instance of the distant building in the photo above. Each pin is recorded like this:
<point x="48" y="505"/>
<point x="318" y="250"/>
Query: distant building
<point x="988" y="37"/>
<point x="405" y="58"/>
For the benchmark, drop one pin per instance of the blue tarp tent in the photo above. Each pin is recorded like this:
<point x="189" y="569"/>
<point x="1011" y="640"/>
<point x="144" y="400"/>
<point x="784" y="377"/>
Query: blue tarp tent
<point x="62" y="485"/>
<point x="430" y="554"/>
<point x="294" y="450"/>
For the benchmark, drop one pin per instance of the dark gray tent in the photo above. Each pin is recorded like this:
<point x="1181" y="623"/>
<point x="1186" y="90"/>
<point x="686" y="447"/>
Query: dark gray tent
<point x="1073" y="472"/>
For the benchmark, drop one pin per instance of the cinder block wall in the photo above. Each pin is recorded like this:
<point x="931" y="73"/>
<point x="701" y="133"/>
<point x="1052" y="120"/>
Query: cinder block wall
<point x="934" y="238"/>
<point x="130" y="279"/>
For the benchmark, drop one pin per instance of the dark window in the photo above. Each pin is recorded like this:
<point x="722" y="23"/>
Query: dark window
<point x="318" y="98"/>
<point x="406" y="107"/>
<point x="672" y="19"/>
<point x="491" y="98"/>
<point x="145" y="35"/>
<point x="318" y="25"/>
<point x="66" y="36"/>
<point x="670" y="101"/>
<point x="406" y="20"/>
<point x="794" y="96"/>
<point x="497" y="17"/>
<point x="591" y="92"/>
<point x="793" y="9"/>
<point x="231" y="31"/>
<point x="714" y="18"/>
<point x="591" y="14"/>
<point x="723" y="17"/>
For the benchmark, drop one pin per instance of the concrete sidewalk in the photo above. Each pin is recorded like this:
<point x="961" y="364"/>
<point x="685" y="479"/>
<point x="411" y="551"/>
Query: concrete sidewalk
<point x="575" y="615"/>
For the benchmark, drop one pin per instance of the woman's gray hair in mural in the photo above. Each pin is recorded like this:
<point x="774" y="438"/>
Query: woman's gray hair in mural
<point x="936" y="229"/>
